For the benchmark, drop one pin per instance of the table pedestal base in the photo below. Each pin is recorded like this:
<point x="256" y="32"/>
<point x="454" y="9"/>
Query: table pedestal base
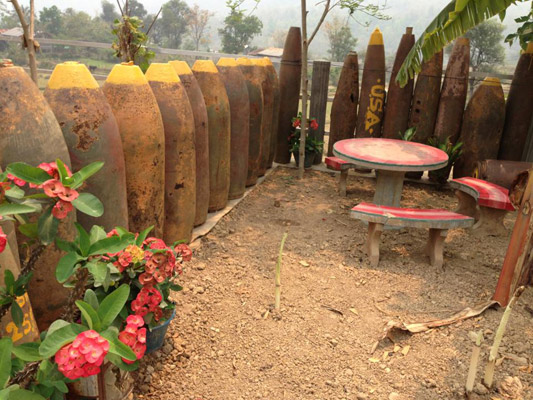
<point x="389" y="188"/>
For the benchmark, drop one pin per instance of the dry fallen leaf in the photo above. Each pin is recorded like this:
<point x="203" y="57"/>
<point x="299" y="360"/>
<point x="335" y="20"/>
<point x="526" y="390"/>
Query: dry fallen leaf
<point x="406" y="349"/>
<point x="374" y="360"/>
<point x="354" y="311"/>
<point x="397" y="348"/>
<point x="304" y="264"/>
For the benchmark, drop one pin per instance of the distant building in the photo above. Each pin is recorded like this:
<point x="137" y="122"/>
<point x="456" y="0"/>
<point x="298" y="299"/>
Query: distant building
<point x="271" y="52"/>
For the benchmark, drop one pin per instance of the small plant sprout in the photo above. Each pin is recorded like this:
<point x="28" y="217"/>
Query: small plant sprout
<point x="477" y="338"/>
<point x="408" y="135"/>
<point x="278" y="272"/>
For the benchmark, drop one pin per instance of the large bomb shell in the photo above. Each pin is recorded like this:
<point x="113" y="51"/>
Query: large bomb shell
<point x="482" y="127"/>
<point x="29" y="132"/>
<point x="268" y="113"/>
<point x="219" y="120"/>
<point x="343" y="117"/>
<point x="199" y="111"/>
<point x="274" y="82"/>
<point x="239" y="102"/>
<point x="398" y="98"/>
<point x="143" y="140"/>
<point x="500" y="172"/>
<point x="180" y="155"/>
<point x="372" y="99"/>
<point x="453" y="94"/>
<point x="519" y="108"/>
<point x="289" y="88"/>
<point x="91" y="132"/>
<point x="253" y="75"/>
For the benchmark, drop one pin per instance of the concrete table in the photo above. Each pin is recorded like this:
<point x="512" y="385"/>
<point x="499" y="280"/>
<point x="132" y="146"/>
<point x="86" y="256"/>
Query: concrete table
<point x="391" y="159"/>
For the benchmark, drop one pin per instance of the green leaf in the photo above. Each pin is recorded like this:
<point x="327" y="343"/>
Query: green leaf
<point x="142" y="236"/>
<point x="13" y="208"/>
<point x="90" y="298"/>
<point x="63" y="174"/>
<point x="89" y="204"/>
<point x="98" y="270"/>
<point x="97" y="233"/>
<point x="112" y="304"/>
<point x="28" y="352"/>
<point x="65" y="267"/>
<point x="23" y="394"/>
<point x="47" y="226"/>
<point x="85" y="173"/>
<point x="112" y="244"/>
<point x="15" y="193"/>
<point x="28" y="173"/>
<point x="117" y="360"/>
<point x="9" y="281"/>
<point x="6" y="345"/>
<point x="29" y="230"/>
<point x="61" y="386"/>
<point x="175" y="287"/>
<point x="90" y="314"/>
<point x="116" y="346"/>
<point x="59" y="338"/>
<point x="16" y="314"/>
<point x="84" y="240"/>
<point x="56" y="325"/>
<point x="68" y="247"/>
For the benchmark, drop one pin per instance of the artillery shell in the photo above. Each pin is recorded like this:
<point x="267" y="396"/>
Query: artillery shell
<point x="519" y="108"/>
<point x="398" y="98"/>
<point x="143" y="140"/>
<point x="201" y="138"/>
<point x="289" y="87"/>
<point x="274" y="82"/>
<point x="252" y="77"/>
<point x="343" y="117"/>
<point x="239" y="102"/>
<point x="482" y="127"/>
<point x="268" y="113"/>
<point x="218" y="116"/>
<point x="91" y="133"/>
<point x="180" y="155"/>
<point x="453" y="94"/>
<point x="372" y="99"/>
<point x="500" y="172"/>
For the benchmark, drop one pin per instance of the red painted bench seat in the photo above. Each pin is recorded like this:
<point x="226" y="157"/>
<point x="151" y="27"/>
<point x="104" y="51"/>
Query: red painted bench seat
<point x="338" y="164"/>
<point x="486" y="194"/>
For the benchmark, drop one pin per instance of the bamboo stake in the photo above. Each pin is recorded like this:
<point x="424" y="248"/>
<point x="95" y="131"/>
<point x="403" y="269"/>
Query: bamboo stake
<point x="489" y="370"/>
<point x="278" y="272"/>
<point x="474" y="361"/>
<point x="305" y="83"/>
<point x="28" y="30"/>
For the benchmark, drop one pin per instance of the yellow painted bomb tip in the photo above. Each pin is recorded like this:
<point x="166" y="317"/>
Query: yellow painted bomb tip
<point x="159" y="72"/>
<point x="376" y="39"/>
<point x="260" y="62"/>
<point x="267" y="61"/>
<point x="71" y="74"/>
<point x="181" y="67"/>
<point x="227" y="62"/>
<point x="126" y="74"/>
<point x="205" y="66"/>
<point x="490" y="81"/>
<point x="529" y="49"/>
<point x="244" y="61"/>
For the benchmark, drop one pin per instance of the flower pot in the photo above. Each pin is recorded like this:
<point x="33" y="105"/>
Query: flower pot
<point x="309" y="158"/>
<point x="156" y="336"/>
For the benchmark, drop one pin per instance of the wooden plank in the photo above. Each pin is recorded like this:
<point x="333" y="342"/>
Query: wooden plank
<point x="319" y="97"/>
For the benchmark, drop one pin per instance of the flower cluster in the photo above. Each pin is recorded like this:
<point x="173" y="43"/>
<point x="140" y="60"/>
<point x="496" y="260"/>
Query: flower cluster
<point x="3" y="240"/>
<point x="82" y="357"/>
<point x="311" y="122"/>
<point x="134" y="336"/>
<point x="148" y="300"/>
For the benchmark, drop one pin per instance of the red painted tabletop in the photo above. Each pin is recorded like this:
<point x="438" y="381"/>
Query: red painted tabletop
<point x="390" y="154"/>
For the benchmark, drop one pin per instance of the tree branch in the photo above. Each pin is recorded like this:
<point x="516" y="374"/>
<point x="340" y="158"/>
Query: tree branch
<point x="322" y="18"/>
<point x="153" y="22"/>
<point x="28" y="36"/>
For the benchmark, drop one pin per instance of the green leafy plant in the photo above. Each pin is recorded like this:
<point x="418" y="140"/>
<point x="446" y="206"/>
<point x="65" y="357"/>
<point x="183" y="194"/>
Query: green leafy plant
<point x="408" y="135"/>
<point x="524" y="33"/>
<point x="312" y="145"/>
<point x="453" y="151"/>
<point x="12" y="289"/>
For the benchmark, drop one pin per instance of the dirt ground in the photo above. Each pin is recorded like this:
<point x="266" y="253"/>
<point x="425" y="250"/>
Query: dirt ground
<point x="226" y="343"/>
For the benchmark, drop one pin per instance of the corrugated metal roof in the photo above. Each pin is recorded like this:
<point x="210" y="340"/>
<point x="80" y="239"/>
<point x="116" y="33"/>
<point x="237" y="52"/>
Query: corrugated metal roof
<point x="16" y="32"/>
<point x="268" y="52"/>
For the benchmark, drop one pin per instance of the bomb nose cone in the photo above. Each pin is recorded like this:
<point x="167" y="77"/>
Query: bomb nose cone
<point x="292" y="50"/>
<point x="162" y="72"/>
<point x="227" y="62"/>
<point x="204" y="66"/>
<point x="5" y="63"/>
<point x="181" y="67"/>
<point x="71" y="74"/>
<point x="376" y="38"/>
<point x="490" y="81"/>
<point x="126" y="74"/>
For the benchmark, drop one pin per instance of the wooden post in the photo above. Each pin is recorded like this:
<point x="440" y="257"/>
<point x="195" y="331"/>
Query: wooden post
<point x="305" y="94"/>
<point x="28" y="30"/>
<point x="319" y="100"/>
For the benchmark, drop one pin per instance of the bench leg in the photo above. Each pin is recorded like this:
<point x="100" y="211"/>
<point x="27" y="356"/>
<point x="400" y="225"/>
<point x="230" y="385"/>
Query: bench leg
<point x="342" y="182"/>
<point x="467" y="205"/>
<point x="372" y="242"/>
<point x="491" y="221"/>
<point x="435" y="246"/>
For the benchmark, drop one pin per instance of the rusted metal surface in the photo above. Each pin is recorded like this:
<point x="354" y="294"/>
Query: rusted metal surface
<point x="180" y="155"/>
<point x="143" y="140"/>
<point x="519" y="109"/>
<point x="319" y="101"/>
<point x="289" y="87"/>
<point x="399" y="99"/>
<point x="272" y="76"/>
<point x="199" y="111"/>
<point x="268" y="113"/>
<point x="218" y="116"/>
<point x="239" y="102"/>
<point x="482" y="127"/>
<point x="255" y="95"/>
<point x="453" y="93"/>
<point x="29" y="132"/>
<point x="91" y="133"/>
<point x="500" y="172"/>
<point x="344" y="107"/>
<point x="372" y="98"/>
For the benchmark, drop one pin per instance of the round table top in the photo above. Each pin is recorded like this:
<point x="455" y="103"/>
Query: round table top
<point x="390" y="154"/>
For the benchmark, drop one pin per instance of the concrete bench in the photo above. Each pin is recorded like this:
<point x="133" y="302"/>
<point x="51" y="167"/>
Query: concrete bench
<point x="486" y="202"/>
<point x="343" y="166"/>
<point x="438" y="222"/>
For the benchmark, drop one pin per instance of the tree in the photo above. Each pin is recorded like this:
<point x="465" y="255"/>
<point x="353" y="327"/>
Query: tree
<point x="239" y="29"/>
<point x="173" y="24"/>
<point x="28" y="27"/>
<point x="486" y="50"/>
<point x="51" y="20"/>
<point x="341" y="40"/>
<point x="277" y="39"/>
<point x="197" y="23"/>
<point x="109" y="13"/>
<point x="136" y="9"/>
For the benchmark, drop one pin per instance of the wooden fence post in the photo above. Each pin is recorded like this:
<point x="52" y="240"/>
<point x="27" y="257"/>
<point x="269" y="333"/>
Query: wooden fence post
<point x="319" y="100"/>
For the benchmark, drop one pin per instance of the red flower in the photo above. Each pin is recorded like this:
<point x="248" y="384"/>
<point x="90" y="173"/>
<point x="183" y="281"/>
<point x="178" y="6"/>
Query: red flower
<point x="147" y="300"/>
<point x="184" y="250"/>
<point x="112" y="232"/>
<point x="68" y="194"/>
<point x="296" y="122"/>
<point x="313" y="125"/>
<point x="3" y="240"/>
<point x="53" y="187"/>
<point x="134" y="336"/>
<point x="61" y="209"/>
<point x="16" y="181"/>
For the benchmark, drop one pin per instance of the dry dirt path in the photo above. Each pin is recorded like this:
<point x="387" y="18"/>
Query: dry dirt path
<point x="226" y="344"/>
